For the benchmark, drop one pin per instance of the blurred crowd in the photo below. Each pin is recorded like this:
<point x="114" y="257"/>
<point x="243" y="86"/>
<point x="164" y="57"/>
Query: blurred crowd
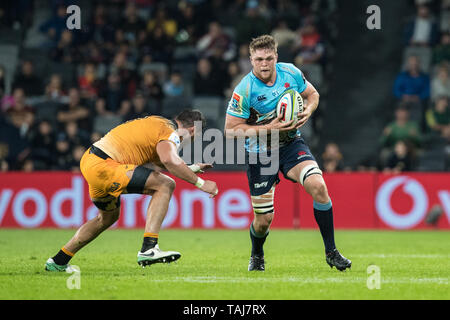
<point x="133" y="58"/>
<point x="418" y="137"/>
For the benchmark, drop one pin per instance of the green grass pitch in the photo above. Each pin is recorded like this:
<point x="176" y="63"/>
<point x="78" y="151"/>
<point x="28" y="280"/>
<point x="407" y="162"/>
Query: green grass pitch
<point x="213" y="266"/>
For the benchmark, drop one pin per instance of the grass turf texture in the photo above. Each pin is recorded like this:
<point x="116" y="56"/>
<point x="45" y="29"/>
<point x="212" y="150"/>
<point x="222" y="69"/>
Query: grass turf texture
<point x="213" y="265"/>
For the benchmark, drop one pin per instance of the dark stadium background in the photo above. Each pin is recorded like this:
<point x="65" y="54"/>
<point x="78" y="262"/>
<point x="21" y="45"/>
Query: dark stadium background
<point x="61" y="90"/>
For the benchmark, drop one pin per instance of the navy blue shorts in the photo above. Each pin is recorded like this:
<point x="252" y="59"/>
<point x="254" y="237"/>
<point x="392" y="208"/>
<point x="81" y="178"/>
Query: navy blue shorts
<point x="289" y="156"/>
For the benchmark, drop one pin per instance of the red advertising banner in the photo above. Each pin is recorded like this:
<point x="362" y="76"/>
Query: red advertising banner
<point x="61" y="200"/>
<point x="360" y="200"/>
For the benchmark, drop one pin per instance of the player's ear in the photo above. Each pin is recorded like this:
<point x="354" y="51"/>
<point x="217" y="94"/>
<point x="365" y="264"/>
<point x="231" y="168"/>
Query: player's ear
<point x="191" y="131"/>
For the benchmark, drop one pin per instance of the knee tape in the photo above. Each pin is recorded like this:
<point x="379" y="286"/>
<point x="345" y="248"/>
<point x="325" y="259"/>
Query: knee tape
<point x="308" y="171"/>
<point x="266" y="206"/>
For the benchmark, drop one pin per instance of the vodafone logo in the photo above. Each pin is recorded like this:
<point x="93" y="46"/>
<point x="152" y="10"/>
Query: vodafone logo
<point x="410" y="187"/>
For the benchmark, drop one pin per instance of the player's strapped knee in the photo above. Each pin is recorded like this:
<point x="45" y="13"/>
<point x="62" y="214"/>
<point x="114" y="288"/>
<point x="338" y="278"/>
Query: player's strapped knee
<point x="138" y="179"/>
<point x="263" y="204"/>
<point x="309" y="171"/>
<point x="107" y="203"/>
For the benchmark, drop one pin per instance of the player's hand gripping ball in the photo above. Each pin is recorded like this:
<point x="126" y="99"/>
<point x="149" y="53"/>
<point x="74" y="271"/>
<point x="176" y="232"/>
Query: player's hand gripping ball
<point x="289" y="106"/>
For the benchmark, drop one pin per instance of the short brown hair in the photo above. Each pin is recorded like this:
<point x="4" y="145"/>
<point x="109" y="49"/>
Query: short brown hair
<point x="265" y="41"/>
<point x="188" y="117"/>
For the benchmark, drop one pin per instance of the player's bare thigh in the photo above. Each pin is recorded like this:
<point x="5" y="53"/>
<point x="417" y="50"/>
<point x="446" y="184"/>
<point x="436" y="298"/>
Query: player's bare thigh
<point x="314" y="184"/>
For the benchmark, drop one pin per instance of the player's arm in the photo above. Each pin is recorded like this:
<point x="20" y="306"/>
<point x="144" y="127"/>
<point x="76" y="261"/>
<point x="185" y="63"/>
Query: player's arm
<point x="312" y="96"/>
<point x="168" y="155"/>
<point x="238" y="127"/>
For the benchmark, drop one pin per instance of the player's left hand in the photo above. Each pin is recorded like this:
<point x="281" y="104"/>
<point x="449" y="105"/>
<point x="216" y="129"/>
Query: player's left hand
<point x="303" y="117"/>
<point x="203" y="166"/>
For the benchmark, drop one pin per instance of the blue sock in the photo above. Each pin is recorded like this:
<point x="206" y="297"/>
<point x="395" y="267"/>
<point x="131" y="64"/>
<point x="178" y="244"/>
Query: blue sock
<point x="323" y="213"/>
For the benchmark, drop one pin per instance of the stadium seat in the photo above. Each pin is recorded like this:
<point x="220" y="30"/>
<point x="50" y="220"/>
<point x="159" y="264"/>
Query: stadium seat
<point x="65" y="70"/>
<point x="10" y="36"/>
<point x="9" y="54"/>
<point x="211" y="107"/>
<point x="171" y="106"/>
<point x="47" y="110"/>
<point x="313" y="73"/>
<point x="185" y="54"/>
<point x="102" y="124"/>
<point x="159" y="68"/>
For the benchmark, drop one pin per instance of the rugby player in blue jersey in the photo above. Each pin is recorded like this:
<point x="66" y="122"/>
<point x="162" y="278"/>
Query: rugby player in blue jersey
<point x="253" y="106"/>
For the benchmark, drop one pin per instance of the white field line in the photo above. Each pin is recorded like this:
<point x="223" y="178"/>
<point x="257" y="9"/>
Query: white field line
<point x="403" y="255"/>
<point x="212" y="279"/>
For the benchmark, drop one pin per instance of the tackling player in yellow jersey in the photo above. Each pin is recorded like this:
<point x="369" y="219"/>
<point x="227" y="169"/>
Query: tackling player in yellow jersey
<point x="129" y="159"/>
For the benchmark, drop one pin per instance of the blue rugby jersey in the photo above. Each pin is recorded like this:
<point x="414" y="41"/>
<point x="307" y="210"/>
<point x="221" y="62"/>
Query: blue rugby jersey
<point x="255" y="101"/>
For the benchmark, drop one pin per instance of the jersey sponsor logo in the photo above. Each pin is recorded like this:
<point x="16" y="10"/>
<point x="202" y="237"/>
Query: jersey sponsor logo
<point x="261" y="97"/>
<point x="261" y="185"/>
<point x="235" y="105"/>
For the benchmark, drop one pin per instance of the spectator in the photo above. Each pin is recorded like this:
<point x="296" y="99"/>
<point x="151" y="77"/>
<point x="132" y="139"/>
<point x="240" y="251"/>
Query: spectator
<point x="400" y="159"/>
<point x="54" y="89"/>
<point x="189" y="27"/>
<point x="168" y="25"/>
<point x="174" y="87"/>
<point x="440" y="85"/>
<point x="243" y="60"/>
<point x="15" y="147"/>
<point x="4" y="166"/>
<point x="159" y="44"/>
<point x="65" y="50"/>
<point x="309" y="48"/>
<point x="88" y="82"/>
<point x="113" y="94"/>
<point x="28" y="165"/>
<point x="412" y="85"/>
<point x="252" y="24"/>
<point x="139" y="108"/>
<point x="216" y="40"/>
<point x="42" y="143"/>
<point x="74" y="111"/>
<point x="95" y="136"/>
<point x="150" y="87"/>
<point x="101" y="29"/>
<point x="332" y="158"/>
<point x="125" y="70"/>
<point x="284" y="36"/>
<point x="77" y="154"/>
<point x="20" y="114"/>
<point x="62" y="157"/>
<point x="234" y="76"/>
<point x="28" y="81"/>
<point x="422" y="30"/>
<point x="132" y="23"/>
<point x="54" y="26"/>
<point x="205" y="81"/>
<point x="401" y="129"/>
<point x="76" y="136"/>
<point x="441" y="53"/>
<point x="438" y="117"/>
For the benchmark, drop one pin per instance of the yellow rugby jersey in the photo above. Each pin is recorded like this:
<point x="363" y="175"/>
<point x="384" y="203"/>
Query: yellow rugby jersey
<point x="134" y="142"/>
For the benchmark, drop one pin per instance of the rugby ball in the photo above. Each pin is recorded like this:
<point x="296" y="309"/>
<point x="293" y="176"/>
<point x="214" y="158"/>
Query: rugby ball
<point x="289" y="105"/>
